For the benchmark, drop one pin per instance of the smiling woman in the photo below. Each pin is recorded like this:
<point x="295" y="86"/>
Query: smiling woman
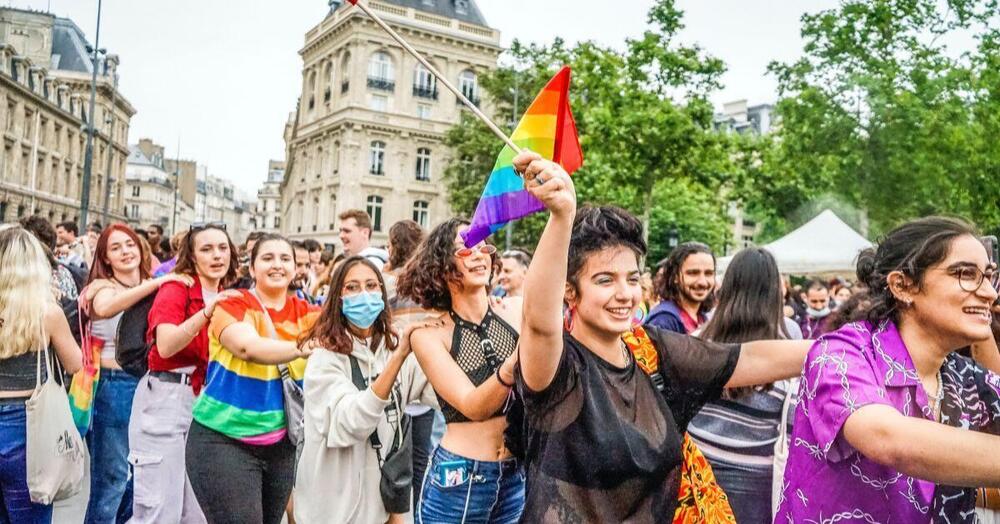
<point x="888" y="397"/>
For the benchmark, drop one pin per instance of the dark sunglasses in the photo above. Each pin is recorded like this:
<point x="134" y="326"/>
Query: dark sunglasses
<point x="198" y="226"/>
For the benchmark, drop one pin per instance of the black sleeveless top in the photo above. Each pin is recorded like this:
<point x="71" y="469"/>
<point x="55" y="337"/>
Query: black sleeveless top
<point x="479" y="349"/>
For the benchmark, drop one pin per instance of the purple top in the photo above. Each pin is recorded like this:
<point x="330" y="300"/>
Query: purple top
<point x="826" y="479"/>
<point x="165" y="267"/>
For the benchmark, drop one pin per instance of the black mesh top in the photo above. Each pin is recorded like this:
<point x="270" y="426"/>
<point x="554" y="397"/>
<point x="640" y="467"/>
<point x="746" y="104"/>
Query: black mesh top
<point x="479" y="349"/>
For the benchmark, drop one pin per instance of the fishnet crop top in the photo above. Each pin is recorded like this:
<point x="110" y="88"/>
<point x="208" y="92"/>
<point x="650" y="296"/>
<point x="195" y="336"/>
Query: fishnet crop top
<point x="479" y="349"/>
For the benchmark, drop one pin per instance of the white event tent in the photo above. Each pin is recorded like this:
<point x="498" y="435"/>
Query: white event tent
<point x="825" y="244"/>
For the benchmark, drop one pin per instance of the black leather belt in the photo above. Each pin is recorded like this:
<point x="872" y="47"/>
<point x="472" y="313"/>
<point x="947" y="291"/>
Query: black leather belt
<point x="170" y="376"/>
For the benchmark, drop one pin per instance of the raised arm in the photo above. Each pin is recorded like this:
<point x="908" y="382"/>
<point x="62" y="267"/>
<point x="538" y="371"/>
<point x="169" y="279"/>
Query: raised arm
<point x="545" y="285"/>
<point x="243" y="341"/>
<point x="924" y="449"/>
<point x="477" y="403"/>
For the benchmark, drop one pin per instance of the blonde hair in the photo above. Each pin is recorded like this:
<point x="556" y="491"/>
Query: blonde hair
<point x="25" y="280"/>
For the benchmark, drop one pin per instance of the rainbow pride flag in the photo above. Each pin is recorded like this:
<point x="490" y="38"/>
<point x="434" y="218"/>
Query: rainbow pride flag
<point x="546" y="128"/>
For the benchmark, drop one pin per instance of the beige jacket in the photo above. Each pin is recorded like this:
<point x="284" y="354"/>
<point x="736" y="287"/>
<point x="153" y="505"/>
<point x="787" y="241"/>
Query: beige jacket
<point x="338" y="475"/>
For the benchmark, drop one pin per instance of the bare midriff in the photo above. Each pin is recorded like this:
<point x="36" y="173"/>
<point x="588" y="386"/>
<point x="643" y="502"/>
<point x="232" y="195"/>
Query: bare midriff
<point x="477" y="440"/>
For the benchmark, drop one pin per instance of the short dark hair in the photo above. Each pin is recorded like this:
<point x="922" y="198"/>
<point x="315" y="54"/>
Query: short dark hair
<point x="666" y="284"/>
<point x="158" y="228"/>
<point x="311" y="245"/>
<point x="254" y="236"/>
<point x="69" y="226"/>
<point x="911" y="249"/>
<point x="818" y="285"/>
<point x="598" y="228"/>
<point x="404" y="237"/>
<point x="142" y="232"/>
<point x="360" y="217"/>
<point x="96" y="227"/>
<point x="42" y="229"/>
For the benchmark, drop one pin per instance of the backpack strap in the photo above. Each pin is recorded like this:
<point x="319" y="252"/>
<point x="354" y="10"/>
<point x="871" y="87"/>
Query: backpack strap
<point x="646" y="355"/>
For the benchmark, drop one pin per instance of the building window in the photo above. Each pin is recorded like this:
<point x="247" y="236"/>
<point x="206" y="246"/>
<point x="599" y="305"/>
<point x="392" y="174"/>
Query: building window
<point x="374" y="209"/>
<point x="315" y="221"/>
<point x="380" y="74"/>
<point x="376" y="163"/>
<point x="20" y="211"/>
<point x="424" y="111"/>
<point x="135" y="211"/>
<point x="333" y="210"/>
<point x="424" y="164"/>
<point x="135" y="191"/>
<point x="345" y="69"/>
<point x="424" y="83"/>
<point x="3" y="211"/>
<point x="469" y="86"/>
<point x="302" y="216"/>
<point x="277" y="222"/>
<point x="379" y="103"/>
<point x="421" y="213"/>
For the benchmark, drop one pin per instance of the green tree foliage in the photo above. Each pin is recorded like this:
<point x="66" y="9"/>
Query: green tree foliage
<point x="882" y="113"/>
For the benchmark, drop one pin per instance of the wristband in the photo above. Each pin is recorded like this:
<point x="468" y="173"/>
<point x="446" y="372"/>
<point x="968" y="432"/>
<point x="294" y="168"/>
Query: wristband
<point x="500" y="380"/>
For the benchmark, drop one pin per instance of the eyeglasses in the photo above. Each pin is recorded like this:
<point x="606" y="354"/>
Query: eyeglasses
<point x="466" y="252"/>
<point x="353" y="288"/>
<point x="198" y="226"/>
<point x="970" y="278"/>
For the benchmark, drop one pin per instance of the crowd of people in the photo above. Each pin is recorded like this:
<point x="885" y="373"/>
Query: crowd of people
<point x="438" y="383"/>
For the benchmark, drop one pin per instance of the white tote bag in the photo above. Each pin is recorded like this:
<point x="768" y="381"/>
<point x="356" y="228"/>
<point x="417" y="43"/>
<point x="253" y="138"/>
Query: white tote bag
<point x="55" y="452"/>
<point x="781" y="447"/>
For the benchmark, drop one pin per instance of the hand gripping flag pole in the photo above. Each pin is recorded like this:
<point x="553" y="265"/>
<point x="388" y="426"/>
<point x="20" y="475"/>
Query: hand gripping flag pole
<point x="468" y="103"/>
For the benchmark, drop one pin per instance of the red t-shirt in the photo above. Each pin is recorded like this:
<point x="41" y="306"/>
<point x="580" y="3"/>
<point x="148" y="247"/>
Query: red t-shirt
<point x="174" y="304"/>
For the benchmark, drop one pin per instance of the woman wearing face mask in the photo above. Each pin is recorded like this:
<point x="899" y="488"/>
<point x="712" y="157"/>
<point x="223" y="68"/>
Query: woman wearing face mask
<point x="118" y="280"/>
<point x="239" y="458"/>
<point x="605" y="444"/>
<point x="469" y="359"/>
<point x="29" y="322"/>
<point x="161" y="409"/>
<point x="353" y="336"/>
<point x="892" y="424"/>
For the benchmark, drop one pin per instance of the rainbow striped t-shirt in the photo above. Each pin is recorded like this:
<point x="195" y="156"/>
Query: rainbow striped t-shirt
<point x="242" y="399"/>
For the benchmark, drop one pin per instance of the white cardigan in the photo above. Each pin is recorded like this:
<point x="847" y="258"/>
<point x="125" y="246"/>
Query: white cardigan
<point x="338" y="476"/>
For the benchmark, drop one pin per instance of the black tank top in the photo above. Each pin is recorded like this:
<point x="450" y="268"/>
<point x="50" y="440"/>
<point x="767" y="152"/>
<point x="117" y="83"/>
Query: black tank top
<point x="479" y="350"/>
<point x="19" y="373"/>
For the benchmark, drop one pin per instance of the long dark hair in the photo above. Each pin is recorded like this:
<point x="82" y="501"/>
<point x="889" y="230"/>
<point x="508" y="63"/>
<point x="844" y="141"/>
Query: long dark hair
<point x="332" y="329"/>
<point x="751" y="306"/>
<point x="667" y="283"/>
<point x="910" y="248"/>
<point x="187" y="265"/>
<point x="426" y="275"/>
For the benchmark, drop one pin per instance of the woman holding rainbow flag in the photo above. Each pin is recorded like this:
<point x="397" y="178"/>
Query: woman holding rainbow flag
<point x="604" y="445"/>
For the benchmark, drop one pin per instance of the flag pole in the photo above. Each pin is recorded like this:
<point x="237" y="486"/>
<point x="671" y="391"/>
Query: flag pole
<point x="461" y="97"/>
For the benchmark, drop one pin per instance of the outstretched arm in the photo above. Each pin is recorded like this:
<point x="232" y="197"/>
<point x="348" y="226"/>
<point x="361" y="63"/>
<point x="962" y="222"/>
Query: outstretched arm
<point x="766" y="361"/>
<point x="924" y="449"/>
<point x="545" y="284"/>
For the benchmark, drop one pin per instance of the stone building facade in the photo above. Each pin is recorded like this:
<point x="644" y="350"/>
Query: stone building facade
<point x="269" y="199"/>
<point x="150" y="197"/>
<point x="45" y="78"/>
<point x="368" y="129"/>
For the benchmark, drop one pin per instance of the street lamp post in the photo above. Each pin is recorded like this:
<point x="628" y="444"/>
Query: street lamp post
<point x="88" y="159"/>
<point x="110" y="120"/>
<point x="673" y="238"/>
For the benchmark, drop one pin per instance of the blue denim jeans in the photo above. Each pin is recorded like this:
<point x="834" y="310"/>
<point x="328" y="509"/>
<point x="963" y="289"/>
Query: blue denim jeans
<point x="460" y="490"/>
<point x="749" y="492"/>
<point x="15" y="504"/>
<point x="110" y="481"/>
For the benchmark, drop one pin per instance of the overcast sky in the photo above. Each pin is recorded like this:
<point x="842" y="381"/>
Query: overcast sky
<point x="221" y="76"/>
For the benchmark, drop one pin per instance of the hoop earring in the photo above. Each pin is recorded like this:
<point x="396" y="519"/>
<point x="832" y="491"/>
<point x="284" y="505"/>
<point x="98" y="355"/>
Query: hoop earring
<point x="568" y="319"/>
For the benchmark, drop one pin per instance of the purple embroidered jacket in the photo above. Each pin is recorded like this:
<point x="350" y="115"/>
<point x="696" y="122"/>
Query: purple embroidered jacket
<point x="826" y="479"/>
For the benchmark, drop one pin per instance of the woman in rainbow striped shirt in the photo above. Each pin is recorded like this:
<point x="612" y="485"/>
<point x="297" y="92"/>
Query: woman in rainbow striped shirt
<point x="239" y="458"/>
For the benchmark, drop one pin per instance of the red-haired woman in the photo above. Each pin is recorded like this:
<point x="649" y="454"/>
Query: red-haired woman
<point x="118" y="280"/>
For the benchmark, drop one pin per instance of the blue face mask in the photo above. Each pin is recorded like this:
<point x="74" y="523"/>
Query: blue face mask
<point x="362" y="309"/>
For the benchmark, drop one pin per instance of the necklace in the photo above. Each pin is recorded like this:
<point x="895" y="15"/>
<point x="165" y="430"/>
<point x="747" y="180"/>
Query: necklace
<point x="937" y="398"/>
<point x="122" y="284"/>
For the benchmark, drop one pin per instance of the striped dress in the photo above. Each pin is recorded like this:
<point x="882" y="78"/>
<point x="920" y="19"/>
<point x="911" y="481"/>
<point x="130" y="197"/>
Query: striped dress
<point x="241" y="399"/>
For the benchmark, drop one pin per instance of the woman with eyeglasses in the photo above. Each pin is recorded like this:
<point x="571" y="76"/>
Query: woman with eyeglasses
<point x="164" y="398"/>
<point x="119" y="278"/>
<point x="239" y="457"/>
<point x="357" y="383"/>
<point x="892" y="425"/>
<point x="469" y="360"/>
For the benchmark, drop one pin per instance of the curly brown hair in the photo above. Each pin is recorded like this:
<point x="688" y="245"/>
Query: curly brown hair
<point x="427" y="274"/>
<point x="331" y="329"/>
